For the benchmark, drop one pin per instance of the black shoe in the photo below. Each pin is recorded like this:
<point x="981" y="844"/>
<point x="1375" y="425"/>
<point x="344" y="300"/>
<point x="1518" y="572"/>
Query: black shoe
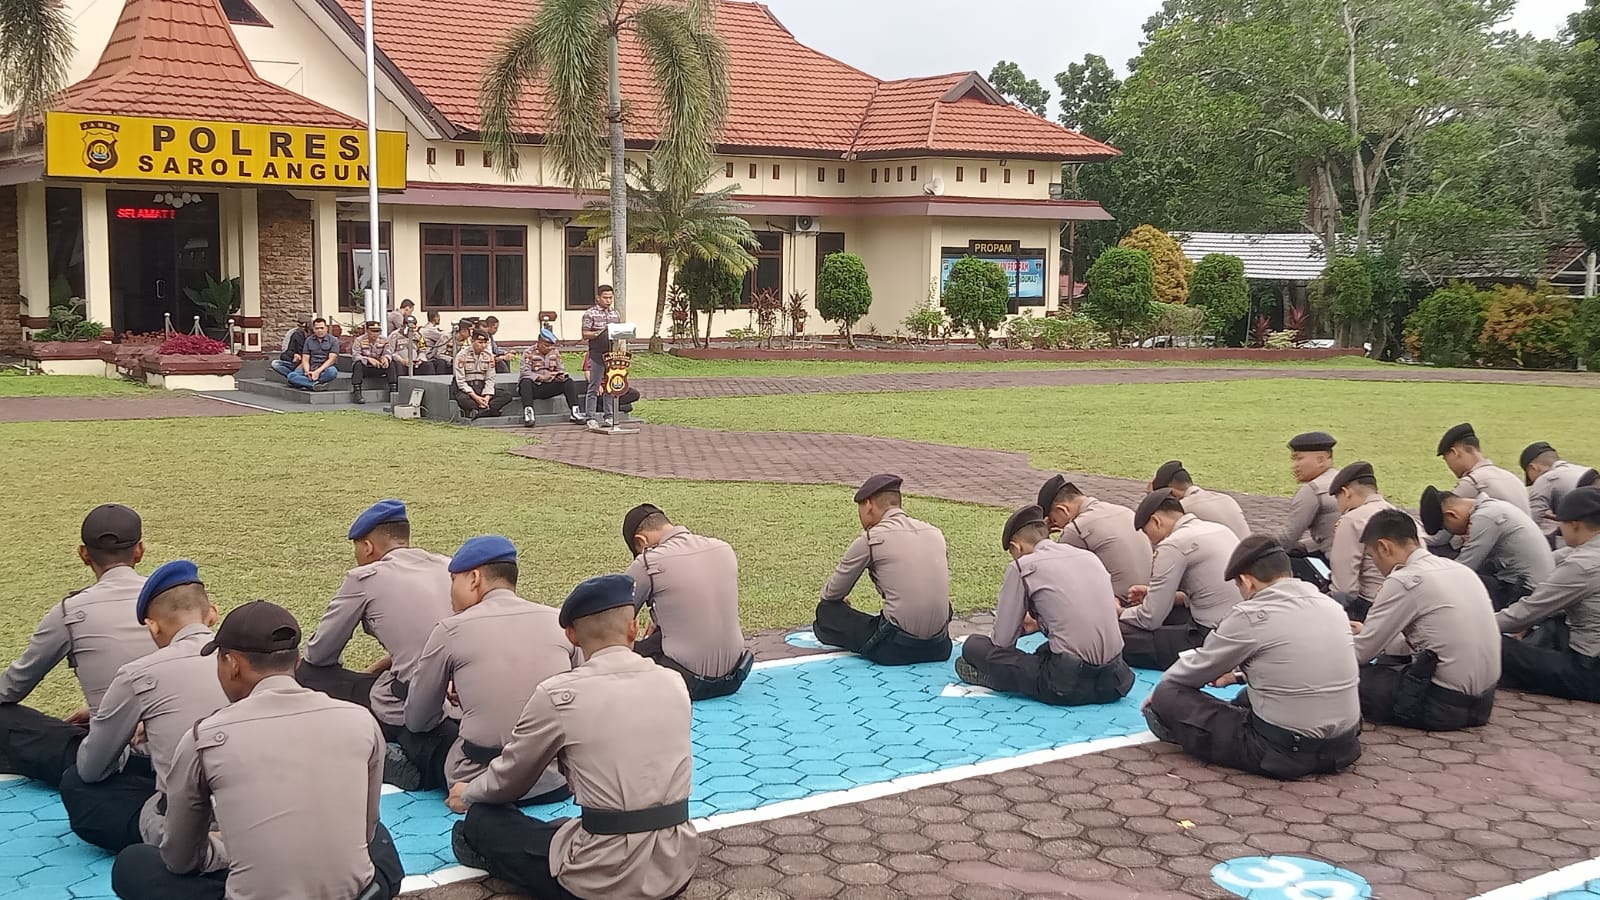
<point x="969" y="673"/>
<point x="357" y="396"/>
<point x="399" y="770"/>
<point x="464" y="853"/>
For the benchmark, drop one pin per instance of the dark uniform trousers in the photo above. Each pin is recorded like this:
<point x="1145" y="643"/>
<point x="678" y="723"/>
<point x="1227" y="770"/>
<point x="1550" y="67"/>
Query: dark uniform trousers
<point x="36" y="745"/>
<point x="1159" y="648"/>
<point x="337" y="682"/>
<point x="700" y="687"/>
<point x="106" y="813"/>
<point x="1556" y="673"/>
<point x="1060" y="679"/>
<point x="1503" y="594"/>
<point x="530" y="390"/>
<point x="1399" y="690"/>
<point x="139" y="874"/>
<point x="1231" y="735"/>
<point x="496" y="403"/>
<point x="876" y="638"/>
<point x="514" y="848"/>
<point x="361" y="372"/>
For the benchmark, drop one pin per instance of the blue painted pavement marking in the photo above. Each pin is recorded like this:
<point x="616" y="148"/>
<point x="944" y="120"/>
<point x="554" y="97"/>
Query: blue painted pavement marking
<point x="793" y="731"/>
<point x="1289" y="878"/>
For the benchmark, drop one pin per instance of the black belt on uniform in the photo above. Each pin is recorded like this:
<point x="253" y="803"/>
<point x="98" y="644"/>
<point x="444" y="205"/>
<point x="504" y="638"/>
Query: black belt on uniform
<point x="1453" y="697"/>
<point x="1294" y="742"/>
<point x="635" y="821"/>
<point x="478" y="753"/>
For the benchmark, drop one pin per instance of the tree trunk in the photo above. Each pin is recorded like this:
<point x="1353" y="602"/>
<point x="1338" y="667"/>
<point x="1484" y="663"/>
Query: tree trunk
<point x="619" y="180"/>
<point x="710" y="311"/>
<point x="1358" y="161"/>
<point x="661" y="306"/>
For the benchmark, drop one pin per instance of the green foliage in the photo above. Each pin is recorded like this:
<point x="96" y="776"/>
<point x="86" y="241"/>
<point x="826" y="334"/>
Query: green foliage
<point x="710" y="286"/>
<point x="217" y="300"/>
<point x="1446" y="326"/>
<point x="976" y="296"/>
<point x="1007" y="78"/>
<point x="927" y="322"/>
<point x="844" y="294"/>
<point x="1172" y="268"/>
<point x="1176" y="319"/>
<point x="1346" y="288"/>
<point x="68" y="324"/>
<point x="1280" y="340"/>
<point x="35" y="60"/>
<point x="1530" y="329"/>
<point x="1581" y="85"/>
<point x="1086" y="91"/>
<point x="1121" y="291"/>
<point x="1219" y="287"/>
<point x="1587" y="330"/>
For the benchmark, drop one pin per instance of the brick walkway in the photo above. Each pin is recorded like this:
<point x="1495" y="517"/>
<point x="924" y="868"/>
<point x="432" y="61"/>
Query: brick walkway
<point x="135" y="406"/>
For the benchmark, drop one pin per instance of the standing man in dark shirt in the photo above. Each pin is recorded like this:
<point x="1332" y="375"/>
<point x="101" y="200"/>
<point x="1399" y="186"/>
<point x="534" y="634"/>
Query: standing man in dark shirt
<point x="595" y="321"/>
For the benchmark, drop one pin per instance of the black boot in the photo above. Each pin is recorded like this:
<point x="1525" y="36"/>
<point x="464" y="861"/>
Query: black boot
<point x="356" y="396"/>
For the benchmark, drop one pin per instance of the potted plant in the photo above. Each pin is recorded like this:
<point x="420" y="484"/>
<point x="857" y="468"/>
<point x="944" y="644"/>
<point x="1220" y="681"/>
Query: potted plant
<point x="217" y="302"/>
<point x="190" y="361"/>
<point x="71" y="345"/>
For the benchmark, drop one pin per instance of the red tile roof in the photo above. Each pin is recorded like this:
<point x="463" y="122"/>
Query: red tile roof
<point x="179" y="59"/>
<point x="785" y="95"/>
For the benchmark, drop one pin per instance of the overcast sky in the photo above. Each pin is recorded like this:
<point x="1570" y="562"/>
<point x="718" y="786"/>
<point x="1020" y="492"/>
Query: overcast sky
<point x="905" y="38"/>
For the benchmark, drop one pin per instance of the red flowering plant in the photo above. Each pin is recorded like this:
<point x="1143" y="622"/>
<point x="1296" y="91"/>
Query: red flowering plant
<point x="191" y="345"/>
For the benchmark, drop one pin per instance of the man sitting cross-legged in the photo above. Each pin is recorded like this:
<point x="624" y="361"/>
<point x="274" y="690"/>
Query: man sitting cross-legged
<point x="1066" y="593"/>
<point x="1102" y="528"/>
<point x="1573" y="589"/>
<point x="1190" y="558"/>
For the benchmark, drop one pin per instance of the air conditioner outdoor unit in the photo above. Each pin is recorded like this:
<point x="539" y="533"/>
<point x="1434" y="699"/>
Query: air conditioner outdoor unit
<point x="1058" y="191"/>
<point x="805" y="225"/>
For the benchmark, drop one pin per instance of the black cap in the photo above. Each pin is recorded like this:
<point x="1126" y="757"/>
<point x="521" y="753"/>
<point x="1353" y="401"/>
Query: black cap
<point x="1047" y="494"/>
<point x="111" y="526"/>
<point x="256" y="627"/>
<point x="632" y="521"/>
<point x="1147" y="506"/>
<point x="1164" y="476"/>
<point x="1455" y="436"/>
<point x="1532" y="452"/>
<point x="1022" y="518"/>
<point x="1250" y="551"/>
<point x="1588" y="478"/>
<point x="876" y="485"/>
<point x="1432" y="510"/>
<point x="1348" y="474"/>
<point x="1582" y="503"/>
<point x="1313" y="440"/>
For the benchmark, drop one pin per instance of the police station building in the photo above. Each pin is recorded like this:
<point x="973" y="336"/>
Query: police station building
<point x="226" y="138"/>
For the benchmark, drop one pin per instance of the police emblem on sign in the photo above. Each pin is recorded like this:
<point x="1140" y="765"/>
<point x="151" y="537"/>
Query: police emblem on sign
<point x="616" y="381"/>
<point x="100" y="144"/>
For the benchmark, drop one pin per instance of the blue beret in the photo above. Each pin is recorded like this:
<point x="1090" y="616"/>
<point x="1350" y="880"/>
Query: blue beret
<point x="169" y="576"/>
<point x="481" y="551"/>
<point x="546" y="334"/>
<point x="380" y="513"/>
<point x="596" y="596"/>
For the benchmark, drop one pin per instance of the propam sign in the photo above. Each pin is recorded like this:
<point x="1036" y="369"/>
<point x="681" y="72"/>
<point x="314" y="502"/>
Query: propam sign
<point x="1289" y="878"/>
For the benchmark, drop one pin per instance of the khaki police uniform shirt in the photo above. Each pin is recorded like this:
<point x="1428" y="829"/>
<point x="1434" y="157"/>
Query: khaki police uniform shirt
<point x="1106" y="530"/>
<point x="496" y="653"/>
<point x="1192" y="559"/>
<point x="691" y="584"/>
<point x="434" y="342"/>
<point x="1351" y="569"/>
<point x="294" y="777"/>
<point x="398" y="600"/>
<point x="1504" y="544"/>
<point x="404" y="349"/>
<point x="1214" y="506"/>
<point x="1312" y="514"/>
<point x="1293" y="643"/>
<point x="168" y="690"/>
<point x="908" y="564"/>
<point x="95" y="630"/>
<point x="1069" y="594"/>
<point x="473" y="368"/>
<point x="1548" y="489"/>
<point x="1440" y="605"/>
<point x="1489" y="480"/>
<point x="619" y="727"/>
<point x="1573" y="588"/>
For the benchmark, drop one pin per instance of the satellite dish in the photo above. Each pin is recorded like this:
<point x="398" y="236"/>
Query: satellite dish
<point x="934" y="188"/>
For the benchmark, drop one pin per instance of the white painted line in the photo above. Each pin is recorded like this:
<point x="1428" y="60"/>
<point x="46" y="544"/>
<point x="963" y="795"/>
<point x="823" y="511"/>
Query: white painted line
<point x="7" y="779"/>
<point x="966" y="690"/>
<point x="388" y="789"/>
<point x="1549" y="883"/>
<point x="240" y="403"/>
<point x="798" y="660"/>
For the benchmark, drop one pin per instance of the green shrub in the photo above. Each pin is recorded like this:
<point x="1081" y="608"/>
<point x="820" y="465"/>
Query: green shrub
<point x="1176" y="319"/>
<point x="976" y="296"/>
<point x="1219" y="287"/>
<point x="1348" y="283"/>
<point x="844" y="294"/>
<point x="1587" y="328"/>
<point x="1079" y="333"/>
<point x="1024" y="330"/>
<point x="1121" y="290"/>
<point x="927" y="323"/>
<point x="1446" y="326"/>
<point x="1531" y="329"/>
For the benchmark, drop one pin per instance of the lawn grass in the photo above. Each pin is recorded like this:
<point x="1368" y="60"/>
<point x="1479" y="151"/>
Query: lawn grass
<point x="263" y="503"/>
<point x="67" y="386"/>
<point x="663" y="365"/>
<point x="1230" y="434"/>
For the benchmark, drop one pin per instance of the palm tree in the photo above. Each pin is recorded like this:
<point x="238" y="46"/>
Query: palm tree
<point x="571" y="51"/>
<point x="676" y="223"/>
<point x="35" y="55"/>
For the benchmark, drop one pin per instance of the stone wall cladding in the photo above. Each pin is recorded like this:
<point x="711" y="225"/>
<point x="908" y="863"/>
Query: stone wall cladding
<point x="287" y="262"/>
<point x="10" y="273"/>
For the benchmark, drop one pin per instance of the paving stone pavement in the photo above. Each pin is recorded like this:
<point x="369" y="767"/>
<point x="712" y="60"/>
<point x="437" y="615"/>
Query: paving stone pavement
<point x="134" y="406"/>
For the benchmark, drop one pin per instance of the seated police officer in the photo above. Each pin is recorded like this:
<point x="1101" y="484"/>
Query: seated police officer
<point x="618" y="725"/>
<point x="1447" y="680"/>
<point x="110" y="804"/>
<point x="1208" y="506"/>
<point x="487" y="658"/>
<point x="1501" y="544"/>
<point x="908" y="564"/>
<point x="1353" y="575"/>
<point x="1065" y="593"/>
<point x="1549" y="478"/>
<point x="691" y="585"/>
<point x="291" y="777"/>
<point x="475" y="388"/>
<point x="1190" y="558"/>
<point x="94" y="630"/>
<point x="397" y="593"/>
<point x="1301" y="712"/>
<point x="1574" y="589"/>
<point x="1104" y="529"/>
<point x="1479" y="476"/>
<point x="1312" y="512"/>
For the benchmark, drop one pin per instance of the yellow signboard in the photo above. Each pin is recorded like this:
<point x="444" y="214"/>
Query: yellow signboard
<point x="128" y="148"/>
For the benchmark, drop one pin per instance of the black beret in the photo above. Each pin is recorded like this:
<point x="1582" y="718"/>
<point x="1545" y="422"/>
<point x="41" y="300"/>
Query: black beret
<point x="632" y="521"/>
<point x="1047" y="494"/>
<point x="876" y="485"/>
<point x="1147" y="506"/>
<point x="1250" y="551"/>
<point x="1348" y="474"/>
<point x="1582" y="503"/>
<point x="1455" y="436"/>
<point x="1022" y="518"/>
<point x="1432" y="510"/>
<point x="1168" y="471"/>
<point x="1533" y="451"/>
<point x="596" y="596"/>
<point x="1588" y="478"/>
<point x="1312" y="440"/>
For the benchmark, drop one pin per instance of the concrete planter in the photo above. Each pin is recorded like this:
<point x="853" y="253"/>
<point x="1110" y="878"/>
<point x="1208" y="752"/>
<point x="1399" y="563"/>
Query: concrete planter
<point x="214" y="372"/>
<point x="951" y="354"/>
<point x="65" y="357"/>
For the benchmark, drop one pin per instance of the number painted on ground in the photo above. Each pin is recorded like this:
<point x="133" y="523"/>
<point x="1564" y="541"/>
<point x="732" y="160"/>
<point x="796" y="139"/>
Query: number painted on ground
<point x="1289" y="878"/>
<point x="802" y="639"/>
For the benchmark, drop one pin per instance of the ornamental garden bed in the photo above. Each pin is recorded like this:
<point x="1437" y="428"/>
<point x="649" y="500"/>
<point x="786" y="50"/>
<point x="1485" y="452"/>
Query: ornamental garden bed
<point x="65" y="357"/>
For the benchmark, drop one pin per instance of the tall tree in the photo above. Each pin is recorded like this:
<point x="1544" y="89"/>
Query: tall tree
<point x="1007" y="78"/>
<point x="570" y="51"/>
<point x="1086" y="91"/>
<point x="35" y="54"/>
<point x="675" y="224"/>
<point x="1582" y="87"/>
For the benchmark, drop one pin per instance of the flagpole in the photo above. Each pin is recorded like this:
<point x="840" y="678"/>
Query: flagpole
<point x="374" y="299"/>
